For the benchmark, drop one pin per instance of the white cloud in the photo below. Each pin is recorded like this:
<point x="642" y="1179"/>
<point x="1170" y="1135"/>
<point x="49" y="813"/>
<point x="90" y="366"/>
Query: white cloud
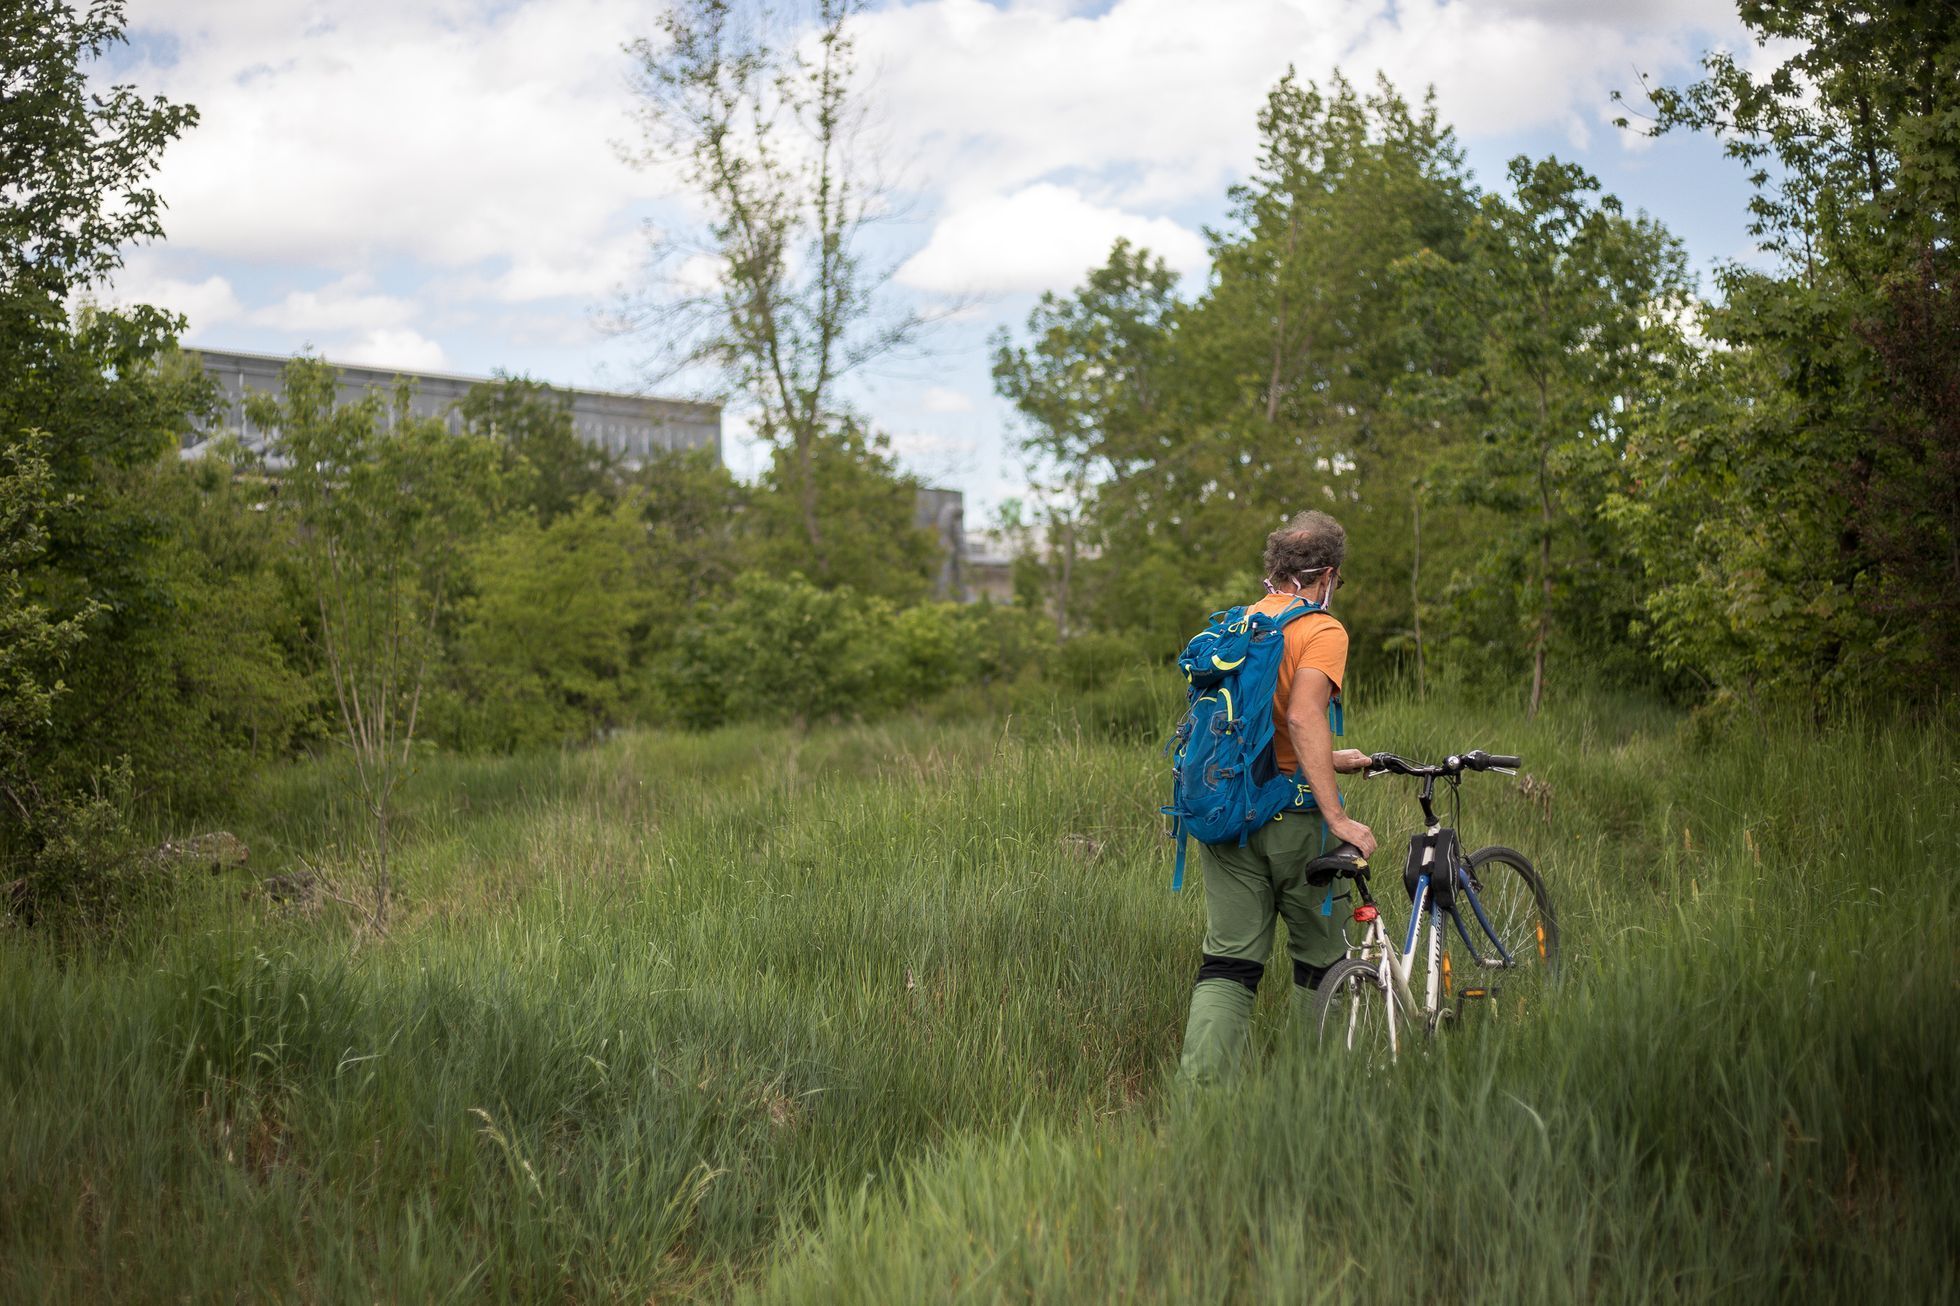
<point x="205" y="302"/>
<point x="592" y="271"/>
<point x="451" y="133"/>
<point x="1041" y="237"/>
<point x="1624" y="14"/>
<point x="931" y="445"/>
<point x="348" y="304"/>
<point x="941" y="399"/>
<point x="392" y="347"/>
<point x="1151" y="103"/>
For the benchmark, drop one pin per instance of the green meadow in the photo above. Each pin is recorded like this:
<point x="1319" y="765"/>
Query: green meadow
<point x="889" y="1013"/>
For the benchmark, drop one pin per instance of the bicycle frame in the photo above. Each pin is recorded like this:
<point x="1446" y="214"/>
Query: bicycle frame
<point x="1395" y="965"/>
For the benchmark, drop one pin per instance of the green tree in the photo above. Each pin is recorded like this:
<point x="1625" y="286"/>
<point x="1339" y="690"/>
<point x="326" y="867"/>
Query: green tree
<point x="765" y="121"/>
<point x="1091" y="386"/>
<point x="76" y="160"/>
<point x="1798" y="522"/>
<point x="546" y="465"/>
<point x="88" y="403"/>
<point x="34" y="645"/>
<point x="876" y="545"/>
<point x="203" y="675"/>
<point x="1179" y="433"/>
<point x="77" y="164"/>
<point x="698" y="538"/>
<point x="549" y="642"/>
<point x="385" y="507"/>
<point x="782" y="650"/>
<point x="1577" y="306"/>
<point x="1310" y="348"/>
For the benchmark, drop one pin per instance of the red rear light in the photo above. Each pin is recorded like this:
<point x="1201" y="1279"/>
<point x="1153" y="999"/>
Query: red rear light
<point x="1365" y="912"/>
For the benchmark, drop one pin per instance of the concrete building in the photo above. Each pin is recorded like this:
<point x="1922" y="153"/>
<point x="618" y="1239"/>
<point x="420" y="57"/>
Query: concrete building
<point x="988" y="570"/>
<point x="944" y="513"/>
<point x="632" y="426"/>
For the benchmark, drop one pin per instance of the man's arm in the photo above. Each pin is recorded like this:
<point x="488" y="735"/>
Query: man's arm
<point x="1313" y="742"/>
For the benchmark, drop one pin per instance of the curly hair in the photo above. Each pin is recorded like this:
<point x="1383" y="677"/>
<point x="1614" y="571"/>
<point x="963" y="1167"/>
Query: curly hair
<point x="1311" y="542"/>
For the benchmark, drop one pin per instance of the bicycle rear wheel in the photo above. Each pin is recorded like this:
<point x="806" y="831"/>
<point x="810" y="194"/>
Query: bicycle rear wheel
<point x="1351" y="1012"/>
<point x="1513" y="933"/>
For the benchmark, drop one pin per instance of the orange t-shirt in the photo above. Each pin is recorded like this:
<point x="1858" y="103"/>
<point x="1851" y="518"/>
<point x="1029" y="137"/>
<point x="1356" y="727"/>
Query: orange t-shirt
<point x="1316" y="640"/>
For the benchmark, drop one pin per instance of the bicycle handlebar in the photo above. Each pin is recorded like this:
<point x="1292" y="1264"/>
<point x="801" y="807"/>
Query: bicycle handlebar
<point x="1454" y="765"/>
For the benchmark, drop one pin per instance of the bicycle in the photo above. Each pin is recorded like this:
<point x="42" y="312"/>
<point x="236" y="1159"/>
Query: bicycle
<point x="1510" y="943"/>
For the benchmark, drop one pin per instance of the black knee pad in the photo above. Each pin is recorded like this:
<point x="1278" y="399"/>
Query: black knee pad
<point x="1308" y="977"/>
<point x="1248" y="973"/>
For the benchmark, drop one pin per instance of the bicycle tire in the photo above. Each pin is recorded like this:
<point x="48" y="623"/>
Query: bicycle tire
<point x="1351" y="1011"/>
<point x="1518" y="912"/>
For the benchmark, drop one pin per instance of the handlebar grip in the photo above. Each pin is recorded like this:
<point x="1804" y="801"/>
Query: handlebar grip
<point x="1511" y="760"/>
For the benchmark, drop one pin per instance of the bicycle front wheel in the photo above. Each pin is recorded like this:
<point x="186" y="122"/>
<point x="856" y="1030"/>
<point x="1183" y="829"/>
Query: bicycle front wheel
<point x="1513" y="933"/>
<point x="1353" y="1011"/>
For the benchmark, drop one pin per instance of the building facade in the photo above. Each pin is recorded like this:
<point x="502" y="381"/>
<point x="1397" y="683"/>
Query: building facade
<point x="943" y="512"/>
<point x="634" y="427"/>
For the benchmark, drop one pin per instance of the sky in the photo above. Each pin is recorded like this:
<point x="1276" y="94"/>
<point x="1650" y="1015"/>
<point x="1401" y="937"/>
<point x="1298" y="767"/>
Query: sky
<point x="447" y="185"/>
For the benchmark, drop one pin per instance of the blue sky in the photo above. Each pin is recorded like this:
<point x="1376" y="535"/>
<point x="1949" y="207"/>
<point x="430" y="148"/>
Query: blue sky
<point x="439" y="183"/>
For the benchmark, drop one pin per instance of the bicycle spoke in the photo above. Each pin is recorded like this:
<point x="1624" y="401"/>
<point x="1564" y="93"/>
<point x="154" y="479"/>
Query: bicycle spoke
<point x="1355" y="1012"/>
<point x="1508" y="909"/>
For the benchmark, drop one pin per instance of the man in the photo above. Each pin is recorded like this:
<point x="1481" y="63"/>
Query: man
<point x="1248" y="887"/>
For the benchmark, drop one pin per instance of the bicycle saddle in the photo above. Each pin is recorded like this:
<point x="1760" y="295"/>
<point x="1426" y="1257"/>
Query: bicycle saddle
<point x="1343" y="859"/>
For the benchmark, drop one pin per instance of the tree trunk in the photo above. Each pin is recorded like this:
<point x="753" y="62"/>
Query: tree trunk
<point x="1544" y="623"/>
<point x="1544" y="551"/>
<point x="1415" y="594"/>
<point x="1068" y="568"/>
<point x="1272" y="386"/>
<point x="806" y="491"/>
<point x="1278" y="374"/>
<point x="1544" y="586"/>
<point x="382" y="835"/>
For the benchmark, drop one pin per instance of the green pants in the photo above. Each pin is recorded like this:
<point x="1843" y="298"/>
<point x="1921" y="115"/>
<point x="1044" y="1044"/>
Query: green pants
<point x="1247" y="889"/>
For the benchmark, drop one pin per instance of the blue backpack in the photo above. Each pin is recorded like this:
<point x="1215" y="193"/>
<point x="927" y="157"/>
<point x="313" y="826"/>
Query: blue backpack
<point x="1224" y="781"/>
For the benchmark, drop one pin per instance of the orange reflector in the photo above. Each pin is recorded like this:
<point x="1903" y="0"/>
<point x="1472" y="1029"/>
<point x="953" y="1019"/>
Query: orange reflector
<point x="1541" y="940"/>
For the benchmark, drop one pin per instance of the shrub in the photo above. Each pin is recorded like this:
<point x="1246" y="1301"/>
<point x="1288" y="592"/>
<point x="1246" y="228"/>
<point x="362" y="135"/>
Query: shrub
<point x="546" y="651"/>
<point x="1095" y="659"/>
<point x="80" y="871"/>
<point x="926" y="654"/>
<point x="1004" y="643"/>
<point x="781" y="649"/>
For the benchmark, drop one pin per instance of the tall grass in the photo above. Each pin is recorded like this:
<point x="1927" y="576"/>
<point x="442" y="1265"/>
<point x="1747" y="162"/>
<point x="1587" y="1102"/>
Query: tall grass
<point x="888" y="1013"/>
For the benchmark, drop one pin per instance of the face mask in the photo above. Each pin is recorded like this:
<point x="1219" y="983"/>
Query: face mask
<point x="1299" y="581"/>
<point x="1326" y="600"/>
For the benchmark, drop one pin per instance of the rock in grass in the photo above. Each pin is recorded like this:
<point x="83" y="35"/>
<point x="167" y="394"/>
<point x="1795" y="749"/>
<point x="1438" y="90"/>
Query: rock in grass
<point x="1085" y="847"/>
<point x="212" y="852"/>
<point x="295" y="887"/>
